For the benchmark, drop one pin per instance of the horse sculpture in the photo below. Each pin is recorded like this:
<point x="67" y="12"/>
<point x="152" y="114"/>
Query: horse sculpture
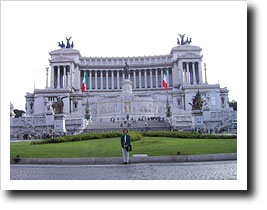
<point x="68" y="42"/>
<point x="183" y="41"/>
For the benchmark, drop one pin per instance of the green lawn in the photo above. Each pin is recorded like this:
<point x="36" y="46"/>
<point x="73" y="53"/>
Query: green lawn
<point x="110" y="147"/>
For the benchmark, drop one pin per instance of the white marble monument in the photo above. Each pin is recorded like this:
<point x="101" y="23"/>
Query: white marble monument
<point x="141" y="94"/>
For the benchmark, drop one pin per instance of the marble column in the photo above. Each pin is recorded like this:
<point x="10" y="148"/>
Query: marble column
<point x="168" y="81"/>
<point x="46" y="86"/>
<point x="156" y="73"/>
<point x="194" y="73"/>
<point x="58" y="76"/>
<point x="134" y="76"/>
<point x="52" y="76"/>
<point x="145" y="79"/>
<point x="140" y="81"/>
<point x="90" y="79"/>
<point x="64" y="76"/>
<point x="187" y="73"/>
<point x="200" y="73"/>
<point x="151" y="79"/>
<point x="123" y="76"/>
<point x="68" y="79"/>
<point x="95" y="80"/>
<point x="101" y="79"/>
<point x="106" y="80"/>
<point x="181" y="71"/>
<point x="88" y="85"/>
<point x="161" y="74"/>
<point x="206" y="80"/>
<point x="112" y="80"/>
<point x="118" y="79"/>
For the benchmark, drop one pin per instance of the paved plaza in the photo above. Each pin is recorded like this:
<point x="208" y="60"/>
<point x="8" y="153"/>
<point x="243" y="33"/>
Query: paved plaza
<point x="216" y="170"/>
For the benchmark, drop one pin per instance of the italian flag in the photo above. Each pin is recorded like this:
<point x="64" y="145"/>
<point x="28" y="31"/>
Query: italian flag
<point x="164" y="80"/>
<point x="84" y="82"/>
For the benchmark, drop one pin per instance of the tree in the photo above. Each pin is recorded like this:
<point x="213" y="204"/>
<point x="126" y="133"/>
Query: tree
<point x="233" y="104"/>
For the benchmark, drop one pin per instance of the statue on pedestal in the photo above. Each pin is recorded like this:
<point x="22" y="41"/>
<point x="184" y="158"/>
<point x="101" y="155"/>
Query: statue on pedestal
<point x="126" y="71"/>
<point x="58" y="106"/>
<point x="197" y="102"/>
<point x="11" y="110"/>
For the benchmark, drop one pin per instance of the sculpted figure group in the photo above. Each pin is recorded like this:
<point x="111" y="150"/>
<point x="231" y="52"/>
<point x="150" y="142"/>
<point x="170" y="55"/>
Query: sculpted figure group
<point x="62" y="45"/>
<point x="183" y="41"/>
<point x="197" y="102"/>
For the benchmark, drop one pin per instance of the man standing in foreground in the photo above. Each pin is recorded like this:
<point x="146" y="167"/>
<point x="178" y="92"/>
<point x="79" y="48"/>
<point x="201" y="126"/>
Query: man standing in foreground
<point x="125" y="142"/>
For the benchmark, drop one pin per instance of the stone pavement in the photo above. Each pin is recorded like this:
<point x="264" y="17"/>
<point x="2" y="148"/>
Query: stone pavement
<point x="118" y="160"/>
<point x="215" y="170"/>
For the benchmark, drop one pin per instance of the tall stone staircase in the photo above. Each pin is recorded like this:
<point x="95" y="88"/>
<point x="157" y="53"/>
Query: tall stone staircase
<point x="145" y="125"/>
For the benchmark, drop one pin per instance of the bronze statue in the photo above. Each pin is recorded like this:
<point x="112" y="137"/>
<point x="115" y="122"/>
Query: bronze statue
<point x="126" y="71"/>
<point x="58" y="106"/>
<point x="183" y="41"/>
<point x="68" y="42"/>
<point x="62" y="45"/>
<point x="197" y="102"/>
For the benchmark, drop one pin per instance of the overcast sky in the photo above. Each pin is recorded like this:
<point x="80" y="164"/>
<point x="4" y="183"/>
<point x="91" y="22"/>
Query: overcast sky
<point x="30" y="30"/>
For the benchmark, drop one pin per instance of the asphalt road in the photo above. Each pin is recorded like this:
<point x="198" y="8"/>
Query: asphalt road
<point x="216" y="170"/>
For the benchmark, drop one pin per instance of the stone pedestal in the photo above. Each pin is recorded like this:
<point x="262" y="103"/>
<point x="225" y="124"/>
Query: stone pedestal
<point x="59" y="123"/>
<point x="197" y="119"/>
<point x="127" y="86"/>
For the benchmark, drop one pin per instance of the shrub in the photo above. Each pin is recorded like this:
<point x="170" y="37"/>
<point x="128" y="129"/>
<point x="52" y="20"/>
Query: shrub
<point x="135" y="136"/>
<point x="81" y="137"/>
<point x="190" y="135"/>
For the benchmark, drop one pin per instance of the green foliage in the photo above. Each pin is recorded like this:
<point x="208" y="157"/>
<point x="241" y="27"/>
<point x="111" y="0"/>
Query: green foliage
<point x="111" y="147"/>
<point x="233" y="104"/>
<point x="81" y="137"/>
<point x="135" y="136"/>
<point x="189" y="135"/>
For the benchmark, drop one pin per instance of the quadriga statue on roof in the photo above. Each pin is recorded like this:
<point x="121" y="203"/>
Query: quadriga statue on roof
<point x="197" y="102"/>
<point x="68" y="45"/>
<point x="183" y="41"/>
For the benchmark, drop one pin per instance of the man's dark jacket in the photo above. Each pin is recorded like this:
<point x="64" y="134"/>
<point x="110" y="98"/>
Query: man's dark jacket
<point x="128" y="140"/>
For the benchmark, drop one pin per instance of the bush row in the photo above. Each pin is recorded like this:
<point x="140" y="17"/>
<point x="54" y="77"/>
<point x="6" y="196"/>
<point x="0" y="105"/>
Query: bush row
<point x="81" y="137"/>
<point x="186" y="135"/>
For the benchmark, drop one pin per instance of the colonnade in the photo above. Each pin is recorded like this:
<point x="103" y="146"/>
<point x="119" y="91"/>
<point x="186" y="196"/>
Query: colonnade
<point x="111" y="79"/>
<point x="60" y="76"/>
<point x="191" y="72"/>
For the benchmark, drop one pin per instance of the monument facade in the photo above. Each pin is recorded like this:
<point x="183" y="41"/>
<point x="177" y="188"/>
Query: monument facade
<point x="121" y="86"/>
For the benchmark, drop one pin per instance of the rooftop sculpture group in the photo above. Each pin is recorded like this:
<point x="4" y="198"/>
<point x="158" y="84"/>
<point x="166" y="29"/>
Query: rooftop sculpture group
<point x="183" y="41"/>
<point x="63" y="46"/>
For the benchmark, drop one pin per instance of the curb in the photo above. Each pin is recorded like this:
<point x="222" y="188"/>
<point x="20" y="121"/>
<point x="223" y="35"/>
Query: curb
<point x="118" y="160"/>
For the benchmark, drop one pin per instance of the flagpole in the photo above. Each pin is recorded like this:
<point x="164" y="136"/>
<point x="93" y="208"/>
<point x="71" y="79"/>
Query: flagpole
<point x="167" y="82"/>
<point x="87" y="86"/>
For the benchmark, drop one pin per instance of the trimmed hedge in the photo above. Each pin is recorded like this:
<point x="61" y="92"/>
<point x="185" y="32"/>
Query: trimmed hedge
<point x="135" y="136"/>
<point x="81" y="137"/>
<point x="190" y="135"/>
